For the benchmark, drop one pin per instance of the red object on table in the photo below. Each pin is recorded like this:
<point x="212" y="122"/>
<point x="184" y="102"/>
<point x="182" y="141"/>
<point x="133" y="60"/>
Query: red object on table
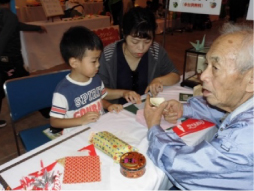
<point x="191" y="126"/>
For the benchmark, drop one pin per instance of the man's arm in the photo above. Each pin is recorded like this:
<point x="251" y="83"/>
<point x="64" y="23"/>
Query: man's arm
<point x="205" y="166"/>
<point x="129" y="95"/>
<point x="224" y="163"/>
<point x="27" y="27"/>
<point x="198" y="108"/>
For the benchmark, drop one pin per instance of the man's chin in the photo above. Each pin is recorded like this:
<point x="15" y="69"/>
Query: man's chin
<point x="211" y="101"/>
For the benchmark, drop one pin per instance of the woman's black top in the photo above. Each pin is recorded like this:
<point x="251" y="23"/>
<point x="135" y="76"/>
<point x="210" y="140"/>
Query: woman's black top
<point x="128" y="79"/>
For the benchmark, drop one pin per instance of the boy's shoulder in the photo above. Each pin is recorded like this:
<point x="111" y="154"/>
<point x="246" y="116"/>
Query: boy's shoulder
<point x="62" y="84"/>
<point x="65" y="85"/>
<point x="97" y="78"/>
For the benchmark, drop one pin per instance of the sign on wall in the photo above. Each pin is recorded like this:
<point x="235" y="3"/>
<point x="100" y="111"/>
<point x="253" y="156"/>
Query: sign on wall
<point x="211" y="7"/>
<point x="250" y="11"/>
<point x="52" y="8"/>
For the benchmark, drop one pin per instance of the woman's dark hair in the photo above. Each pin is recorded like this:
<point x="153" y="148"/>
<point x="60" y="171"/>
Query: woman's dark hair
<point x="76" y="41"/>
<point x="139" y="22"/>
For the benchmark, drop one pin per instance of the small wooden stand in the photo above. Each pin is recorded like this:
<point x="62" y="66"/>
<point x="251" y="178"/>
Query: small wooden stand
<point x="52" y="9"/>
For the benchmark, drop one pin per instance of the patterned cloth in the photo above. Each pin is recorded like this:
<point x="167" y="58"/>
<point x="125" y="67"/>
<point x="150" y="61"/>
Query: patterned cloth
<point x="82" y="169"/>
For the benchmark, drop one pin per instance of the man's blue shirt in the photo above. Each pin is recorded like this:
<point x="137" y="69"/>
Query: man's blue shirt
<point x="226" y="162"/>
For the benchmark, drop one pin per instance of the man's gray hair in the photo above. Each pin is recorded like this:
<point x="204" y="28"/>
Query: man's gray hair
<point x="244" y="60"/>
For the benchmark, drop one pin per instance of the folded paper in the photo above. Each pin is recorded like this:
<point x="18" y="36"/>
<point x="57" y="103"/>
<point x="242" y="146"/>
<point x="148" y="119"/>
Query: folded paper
<point x="199" y="46"/>
<point x="111" y="145"/>
<point x="164" y="124"/>
<point x="44" y="179"/>
<point x="82" y="169"/>
<point x="156" y="101"/>
<point x="90" y="149"/>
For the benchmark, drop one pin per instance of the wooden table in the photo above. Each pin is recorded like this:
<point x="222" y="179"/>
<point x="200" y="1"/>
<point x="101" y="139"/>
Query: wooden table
<point x="31" y="14"/>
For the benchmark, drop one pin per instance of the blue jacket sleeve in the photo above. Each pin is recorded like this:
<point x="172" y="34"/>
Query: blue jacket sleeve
<point x="202" y="167"/>
<point x="224" y="163"/>
<point x="198" y="108"/>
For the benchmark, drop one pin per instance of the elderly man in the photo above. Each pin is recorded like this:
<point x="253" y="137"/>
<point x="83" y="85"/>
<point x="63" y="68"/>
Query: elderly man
<point x="226" y="162"/>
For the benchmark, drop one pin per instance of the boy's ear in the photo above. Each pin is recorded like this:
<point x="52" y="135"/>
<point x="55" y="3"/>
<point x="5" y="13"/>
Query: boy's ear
<point x="73" y="62"/>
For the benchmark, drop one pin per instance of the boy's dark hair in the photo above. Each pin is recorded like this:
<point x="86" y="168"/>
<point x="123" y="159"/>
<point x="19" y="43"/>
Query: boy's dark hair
<point x="139" y="22"/>
<point x="76" y="41"/>
<point x="4" y="1"/>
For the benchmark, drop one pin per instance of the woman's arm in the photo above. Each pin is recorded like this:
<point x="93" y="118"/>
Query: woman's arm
<point x="111" y="107"/>
<point x="168" y="79"/>
<point x="129" y="95"/>
<point x="157" y="84"/>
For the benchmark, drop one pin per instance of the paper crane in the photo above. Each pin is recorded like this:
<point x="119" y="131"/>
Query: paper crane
<point x="198" y="46"/>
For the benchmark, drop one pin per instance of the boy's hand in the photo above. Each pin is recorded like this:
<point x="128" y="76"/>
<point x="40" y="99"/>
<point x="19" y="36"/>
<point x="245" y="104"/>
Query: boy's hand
<point x="90" y="117"/>
<point x="115" y="107"/>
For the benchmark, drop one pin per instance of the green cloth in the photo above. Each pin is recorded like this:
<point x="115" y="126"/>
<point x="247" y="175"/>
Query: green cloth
<point x="132" y="108"/>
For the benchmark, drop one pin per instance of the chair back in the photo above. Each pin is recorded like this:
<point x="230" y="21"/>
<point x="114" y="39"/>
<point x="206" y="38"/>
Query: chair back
<point x="29" y="94"/>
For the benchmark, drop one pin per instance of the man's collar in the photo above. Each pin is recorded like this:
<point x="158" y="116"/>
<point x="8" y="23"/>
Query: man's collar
<point x="244" y="107"/>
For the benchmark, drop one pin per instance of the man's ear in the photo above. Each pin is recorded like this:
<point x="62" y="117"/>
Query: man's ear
<point x="250" y="81"/>
<point x="73" y="62"/>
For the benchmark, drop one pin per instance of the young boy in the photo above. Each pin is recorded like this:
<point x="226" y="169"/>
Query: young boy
<point x="78" y="98"/>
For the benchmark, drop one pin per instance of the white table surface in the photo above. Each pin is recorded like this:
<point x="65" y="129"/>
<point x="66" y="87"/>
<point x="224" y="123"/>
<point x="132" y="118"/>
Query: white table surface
<point x="31" y="14"/>
<point x="41" y="50"/>
<point x="124" y="126"/>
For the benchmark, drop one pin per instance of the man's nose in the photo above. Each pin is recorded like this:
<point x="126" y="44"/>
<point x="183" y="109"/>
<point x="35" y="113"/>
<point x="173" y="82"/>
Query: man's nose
<point x="204" y="75"/>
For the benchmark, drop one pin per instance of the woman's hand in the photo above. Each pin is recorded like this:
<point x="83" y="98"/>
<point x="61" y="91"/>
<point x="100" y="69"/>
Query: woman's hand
<point x="115" y="107"/>
<point x="155" y="87"/>
<point x="132" y="96"/>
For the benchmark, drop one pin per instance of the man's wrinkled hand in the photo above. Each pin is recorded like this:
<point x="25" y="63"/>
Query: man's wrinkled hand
<point x="173" y="111"/>
<point x="153" y="114"/>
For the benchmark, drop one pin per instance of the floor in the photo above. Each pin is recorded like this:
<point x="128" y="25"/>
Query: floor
<point x="175" y="44"/>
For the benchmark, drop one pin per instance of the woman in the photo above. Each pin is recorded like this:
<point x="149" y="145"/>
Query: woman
<point x="136" y="65"/>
